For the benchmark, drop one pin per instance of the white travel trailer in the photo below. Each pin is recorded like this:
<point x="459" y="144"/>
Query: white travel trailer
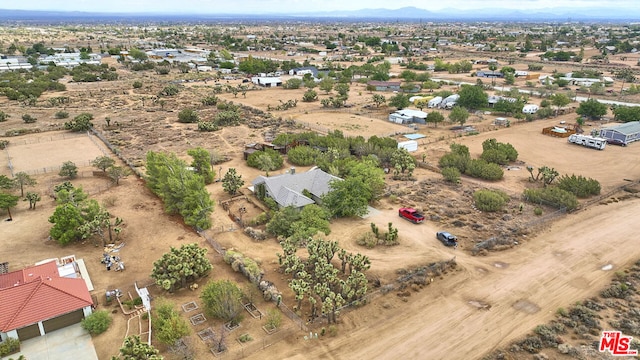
<point x="588" y="141"/>
<point x="449" y="102"/>
<point x="530" y="109"/>
<point x="434" y="102"/>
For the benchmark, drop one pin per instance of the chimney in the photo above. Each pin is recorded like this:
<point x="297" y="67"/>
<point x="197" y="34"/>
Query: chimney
<point x="292" y="170"/>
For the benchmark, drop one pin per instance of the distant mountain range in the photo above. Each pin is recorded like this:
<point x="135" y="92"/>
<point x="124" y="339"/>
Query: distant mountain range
<point x="406" y="14"/>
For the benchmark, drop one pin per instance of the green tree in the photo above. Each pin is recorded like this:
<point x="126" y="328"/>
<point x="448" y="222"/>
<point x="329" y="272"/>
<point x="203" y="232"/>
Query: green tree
<point x="627" y="113"/>
<point x="310" y="96"/>
<point x="103" y="162"/>
<point x="180" y="266"/>
<point x="232" y="181"/>
<point x="6" y="183"/>
<point x="371" y="176"/>
<point x="472" y="97"/>
<point x="378" y="99"/>
<point x="182" y="190"/>
<point x="592" y="108"/>
<point x="282" y="221"/>
<point x="23" y="179"/>
<point x="97" y="323"/>
<point x="559" y="100"/>
<point x="399" y="101"/>
<point x="67" y="220"/>
<point x="267" y="160"/>
<point x="188" y="115"/>
<point x="326" y="84"/>
<point x="7" y="201"/>
<point x="342" y="89"/>
<point x="293" y="83"/>
<point x="134" y="349"/>
<point x="167" y="323"/>
<point x="138" y="54"/>
<point x="434" y="117"/>
<point x="222" y="300"/>
<point x="79" y="123"/>
<point x="68" y="170"/>
<point x="201" y="163"/>
<point x="32" y="198"/>
<point x="347" y="198"/>
<point x="459" y="115"/>
<point x="402" y="161"/>
<point x="116" y="173"/>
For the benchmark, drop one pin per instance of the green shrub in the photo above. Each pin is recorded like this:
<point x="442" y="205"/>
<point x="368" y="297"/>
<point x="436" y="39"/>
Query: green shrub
<point x="497" y="152"/>
<point x="137" y="84"/>
<point x="302" y="155"/>
<point x="97" y="323"/>
<point x="479" y="168"/>
<point x="9" y="346"/>
<point x="274" y="318"/>
<point x="28" y="119"/>
<point x="456" y="161"/>
<point x="537" y="211"/>
<point x="451" y="174"/>
<point x="207" y="126"/>
<point x="490" y="200"/>
<point x="188" y="116"/>
<point x="579" y="185"/>
<point x="256" y="160"/>
<point x="61" y="115"/>
<point x="168" y="325"/>
<point x="553" y="196"/>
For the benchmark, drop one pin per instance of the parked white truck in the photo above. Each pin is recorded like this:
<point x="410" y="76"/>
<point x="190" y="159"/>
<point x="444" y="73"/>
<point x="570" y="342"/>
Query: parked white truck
<point x="588" y="141"/>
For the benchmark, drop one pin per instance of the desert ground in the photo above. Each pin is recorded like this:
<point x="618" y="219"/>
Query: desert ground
<point x="482" y="305"/>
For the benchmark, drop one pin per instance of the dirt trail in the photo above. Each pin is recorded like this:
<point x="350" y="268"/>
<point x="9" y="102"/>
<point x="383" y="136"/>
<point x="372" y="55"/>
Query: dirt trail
<point x="505" y="297"/>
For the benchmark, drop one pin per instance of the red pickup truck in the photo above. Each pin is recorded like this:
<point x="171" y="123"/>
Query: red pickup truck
<point x="411" y="214"/>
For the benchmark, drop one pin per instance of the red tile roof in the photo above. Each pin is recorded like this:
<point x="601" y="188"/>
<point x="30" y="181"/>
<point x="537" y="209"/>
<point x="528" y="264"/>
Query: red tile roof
<point x="37" y="298"/>
<point x="49" y="269"/>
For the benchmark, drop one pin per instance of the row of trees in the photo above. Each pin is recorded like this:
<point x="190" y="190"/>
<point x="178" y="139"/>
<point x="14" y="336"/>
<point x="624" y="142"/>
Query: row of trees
<point x="181" y="188"/>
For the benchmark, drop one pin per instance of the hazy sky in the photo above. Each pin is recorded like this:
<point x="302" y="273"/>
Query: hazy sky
<point x="287" y="6"/>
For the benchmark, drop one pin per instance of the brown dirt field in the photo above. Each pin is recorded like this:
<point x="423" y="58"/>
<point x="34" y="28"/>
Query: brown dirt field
<point x="523" y="286"/>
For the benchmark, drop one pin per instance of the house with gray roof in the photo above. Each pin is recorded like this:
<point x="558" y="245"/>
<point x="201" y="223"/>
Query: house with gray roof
<point x="627" y="132"/>
<point x="287" y="189"/>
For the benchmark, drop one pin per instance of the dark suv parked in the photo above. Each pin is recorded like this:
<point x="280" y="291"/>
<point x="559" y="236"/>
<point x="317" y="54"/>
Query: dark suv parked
<point x="447" y="238"/>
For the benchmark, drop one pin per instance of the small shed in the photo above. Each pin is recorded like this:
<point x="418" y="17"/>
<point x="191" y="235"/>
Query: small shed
<point x="501" y="121"/>
<point x="627" y="132"/>
<point x="410" y="145"/>
<point x="400" y="118"/>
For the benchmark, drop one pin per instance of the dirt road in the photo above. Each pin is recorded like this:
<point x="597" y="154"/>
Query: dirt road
<point x="493" y="300"/>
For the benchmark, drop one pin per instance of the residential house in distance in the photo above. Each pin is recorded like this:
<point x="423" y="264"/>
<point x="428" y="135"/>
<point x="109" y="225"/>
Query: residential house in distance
<point x="289" y="189"/>
<point x="385" y="85"/>
<point x="301" y="71"/>
<point x="267" y="81"/>
<point x="40" y="299"/>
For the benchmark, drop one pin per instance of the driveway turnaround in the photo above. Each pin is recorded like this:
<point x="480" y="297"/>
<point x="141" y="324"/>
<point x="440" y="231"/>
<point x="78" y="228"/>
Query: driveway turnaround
<point x="71" y="342"/>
